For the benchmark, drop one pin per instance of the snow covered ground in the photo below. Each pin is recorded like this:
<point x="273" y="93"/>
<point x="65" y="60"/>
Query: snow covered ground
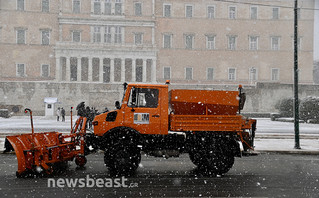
<point x="270" y="135"/>
<point x="265" y="125"/>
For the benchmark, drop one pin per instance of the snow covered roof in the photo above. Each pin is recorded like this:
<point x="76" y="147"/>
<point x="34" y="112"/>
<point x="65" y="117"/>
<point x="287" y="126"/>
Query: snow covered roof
<point x="51" y="100"/>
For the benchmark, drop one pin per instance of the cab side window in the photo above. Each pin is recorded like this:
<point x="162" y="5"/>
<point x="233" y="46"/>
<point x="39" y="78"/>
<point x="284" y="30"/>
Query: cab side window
<point x="143" y="97"/>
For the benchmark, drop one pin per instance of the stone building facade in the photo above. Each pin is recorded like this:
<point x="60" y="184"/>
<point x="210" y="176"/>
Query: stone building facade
<point x="189" y="42"/>
<point x="111" y="41"/>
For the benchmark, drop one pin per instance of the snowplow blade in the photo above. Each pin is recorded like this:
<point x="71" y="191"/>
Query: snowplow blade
<point x="33" y="150"/>
<point x="39" y="152"/>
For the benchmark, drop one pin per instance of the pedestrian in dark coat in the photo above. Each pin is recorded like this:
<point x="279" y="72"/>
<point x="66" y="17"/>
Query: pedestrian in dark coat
<point x="63" y="114"/>
<point x="81" y="109"/>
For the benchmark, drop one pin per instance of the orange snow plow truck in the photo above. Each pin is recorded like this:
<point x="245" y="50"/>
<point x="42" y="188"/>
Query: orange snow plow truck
<point x="205" y="124"/>
<point x="152" y="119"/>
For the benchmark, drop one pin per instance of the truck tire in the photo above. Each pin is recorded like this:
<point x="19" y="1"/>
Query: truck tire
<point x="123" y="160"/>
<point x="213" y="162"/>
<point x="215" y="157"/>
<point x="122" y="155"/>
<point x="195" y="157"/>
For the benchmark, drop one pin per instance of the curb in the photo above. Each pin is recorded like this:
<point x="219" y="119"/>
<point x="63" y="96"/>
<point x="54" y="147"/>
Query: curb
<point x="286" y="136"/>
<point x="297" y="152"/>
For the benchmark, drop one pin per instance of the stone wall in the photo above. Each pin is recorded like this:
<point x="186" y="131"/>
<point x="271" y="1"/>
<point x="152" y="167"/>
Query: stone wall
<point x="31" y="95"/>
<point x="261" y="98"/>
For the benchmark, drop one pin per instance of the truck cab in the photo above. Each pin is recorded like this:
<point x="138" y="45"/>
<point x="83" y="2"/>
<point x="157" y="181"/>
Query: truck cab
<point x="144" y="109"/>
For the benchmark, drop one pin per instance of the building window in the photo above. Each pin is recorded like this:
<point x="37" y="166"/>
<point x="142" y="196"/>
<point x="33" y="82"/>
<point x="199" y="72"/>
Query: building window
<point x="211" y="12"/>
<point x="118" y="34"/>
<point x="76" y="36"/>
<point x="20" y="5"/>
<point x="167" y="73"/>
<point x="232" y="42"/>
<point x="189" y="40"/>
<point x="210" y="42"/>
<point x="189" y="73"/>
<point x="138" y="38"/>
<point x="275" y="13"/>
<point x="20" y="70"/>
<point x="107" y="7"/>
<point x="45" y="35"/>
<point x="138" y="9"/>
<point x="232" y="12"/>
<point x="167" y="10"/>
<point x="231" y="74"/>
<point x="21" y="36"/>
<point x="167" y="41"/>
<point x="210" y="73"/>
<point x="189" y="11"/>
<point x="97" y="7"/>
<point x="76" y="6"/>
<point x="107" y="35"/>
<point x="45" y="5"/>
<point x="45" y="70"/>
<point x="96" y="34"/>
<point x="275" y="43"/>
<point x="253" y="42"/>
<point x="253" y="12"/>
<point x="118" y="7"/>
<point x="274" y="74"/>
<point x="252" y="74"/>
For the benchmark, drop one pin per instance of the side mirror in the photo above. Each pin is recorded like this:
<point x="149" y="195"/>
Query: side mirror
<point x="117" y="105"/>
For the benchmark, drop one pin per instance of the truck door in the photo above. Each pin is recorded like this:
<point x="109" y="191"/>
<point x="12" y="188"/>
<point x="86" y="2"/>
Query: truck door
<point x="143" y="110"/>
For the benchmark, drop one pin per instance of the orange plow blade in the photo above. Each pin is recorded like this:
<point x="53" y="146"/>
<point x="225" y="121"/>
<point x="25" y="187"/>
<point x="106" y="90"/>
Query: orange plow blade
<point x="38" y="150"/>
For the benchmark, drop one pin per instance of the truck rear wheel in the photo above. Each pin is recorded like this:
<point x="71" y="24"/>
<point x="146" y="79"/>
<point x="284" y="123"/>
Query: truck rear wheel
<point x="215" y="157"/>
<point x="211" y="161"/>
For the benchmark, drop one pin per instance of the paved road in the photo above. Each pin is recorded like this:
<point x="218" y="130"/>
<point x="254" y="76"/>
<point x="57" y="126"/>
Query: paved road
<point x="265" y="175"/>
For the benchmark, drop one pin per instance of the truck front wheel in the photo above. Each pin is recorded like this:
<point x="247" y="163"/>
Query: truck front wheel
<point x="122" y="160"/>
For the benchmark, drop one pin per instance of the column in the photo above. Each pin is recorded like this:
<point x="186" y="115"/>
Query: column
<point x="90" y="59"/>
<point x="123" y="70"/>
<point x="68" y="70"/>
<point x="79" y="69"/>
<point x="101" y="70"/>
<point x="133" y="70"/>
<point x="144" y="70"/>
<point x="60" y="33"/>
<point x="58" y="69"/>
<point x="153" y="71"/>
<point x="111" y="70"/>
<point x="153" y="36"/>
<point x="153" y="8"/>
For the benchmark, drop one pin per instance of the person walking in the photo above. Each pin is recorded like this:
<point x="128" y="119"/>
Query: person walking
<point x="58" y="114"/>
<point x="63" y="114"/>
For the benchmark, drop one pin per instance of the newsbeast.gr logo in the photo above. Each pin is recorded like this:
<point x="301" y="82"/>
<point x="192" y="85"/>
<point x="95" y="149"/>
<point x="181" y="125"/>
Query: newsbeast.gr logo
<point x="88" y="182"/>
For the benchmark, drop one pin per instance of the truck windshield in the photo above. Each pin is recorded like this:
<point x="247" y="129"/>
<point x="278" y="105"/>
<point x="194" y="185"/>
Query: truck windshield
<point x="143" y="97"/>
